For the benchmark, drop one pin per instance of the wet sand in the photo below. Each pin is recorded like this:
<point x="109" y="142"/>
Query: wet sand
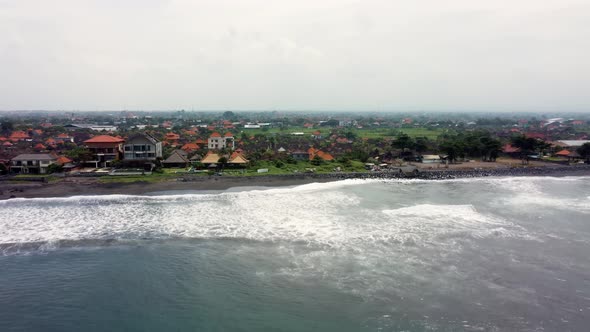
<point x="65" y="188"/>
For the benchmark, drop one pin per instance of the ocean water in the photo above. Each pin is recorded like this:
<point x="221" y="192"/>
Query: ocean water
<point x="488" y="254"/>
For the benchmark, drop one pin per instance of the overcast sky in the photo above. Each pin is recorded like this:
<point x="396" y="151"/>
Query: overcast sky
<point x="505" y="55"/>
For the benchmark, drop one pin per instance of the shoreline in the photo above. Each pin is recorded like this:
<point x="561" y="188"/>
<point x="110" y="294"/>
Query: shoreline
<point x="73" y="187"/>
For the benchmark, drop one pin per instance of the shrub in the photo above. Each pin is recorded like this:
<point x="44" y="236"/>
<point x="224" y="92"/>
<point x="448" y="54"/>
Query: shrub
<point x="55" y="168"/>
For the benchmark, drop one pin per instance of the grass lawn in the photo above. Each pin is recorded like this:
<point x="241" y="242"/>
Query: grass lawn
<point x="299" y="167"/>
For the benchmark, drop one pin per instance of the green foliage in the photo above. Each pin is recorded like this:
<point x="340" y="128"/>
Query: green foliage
<point x="584" y="151"/>
<point x="358" y="154"/>
<point x="79" y="154"/>
<point x="403" y="141"/>
<point x="477" y="144"/>
<point x="55" y="168"/>
<point x="229" y="115"/>
<point x="6" y="126"/>
<point x="3" y="169"/>
<point x="290" y="160"/>
<point x="421" y="144"/>
<point x="316" y="161"/>
<point x="279" y="164"/>
<point x="528" y="146"/>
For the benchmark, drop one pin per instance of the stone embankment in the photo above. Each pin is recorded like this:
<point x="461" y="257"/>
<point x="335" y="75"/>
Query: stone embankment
<point x="414" y="173"/>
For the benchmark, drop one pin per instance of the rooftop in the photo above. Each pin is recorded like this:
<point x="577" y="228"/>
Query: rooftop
<point x="104" y="139"/>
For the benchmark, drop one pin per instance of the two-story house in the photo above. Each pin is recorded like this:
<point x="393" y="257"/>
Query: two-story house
<point x="216" y="141"/>
<point x="32" y="163"/>
<point x="142" y="147"/>
<point x="104" y="149"/>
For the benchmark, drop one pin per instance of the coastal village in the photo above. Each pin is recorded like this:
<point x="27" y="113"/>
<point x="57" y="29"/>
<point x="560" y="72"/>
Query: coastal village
<point x="127" y="144"/>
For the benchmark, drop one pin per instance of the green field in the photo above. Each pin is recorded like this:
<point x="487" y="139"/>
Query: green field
<point x="368" y="132"/>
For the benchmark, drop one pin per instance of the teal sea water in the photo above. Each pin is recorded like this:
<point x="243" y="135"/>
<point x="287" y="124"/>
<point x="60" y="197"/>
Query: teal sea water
<point x="488" y="254"/>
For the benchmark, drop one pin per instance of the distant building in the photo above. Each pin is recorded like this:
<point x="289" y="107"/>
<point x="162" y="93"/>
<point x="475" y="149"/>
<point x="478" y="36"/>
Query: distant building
<point x="95" y="127"/>
<point x="142" y="147"/>
<point x="573" y="143"/>
<point x="300" y="155"/>
<point x="104" y="149"/>
<point x="65" y="138"/>
<point x="431" y="159"/>
<point x="317" y="135"/>
<point x="32" y="163"/>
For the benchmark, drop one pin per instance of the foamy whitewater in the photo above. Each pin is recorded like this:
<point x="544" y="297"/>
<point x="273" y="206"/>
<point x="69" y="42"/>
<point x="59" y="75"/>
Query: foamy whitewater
<point x="486" y="254"/>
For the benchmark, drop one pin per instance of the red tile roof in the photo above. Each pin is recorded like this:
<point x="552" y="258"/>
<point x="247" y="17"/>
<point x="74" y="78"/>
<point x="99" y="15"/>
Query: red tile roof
<point x="19" y="135"/>
<point x="104" y="139"/>
<point x="190" y="147"/>
<point x="215" y="134"/>
<point x="228" y="134"/>
<point x="63" y="160"/>
<point x="315" y="152"/>
<point x="510" y="149"/>
<point x="172" y="136"/>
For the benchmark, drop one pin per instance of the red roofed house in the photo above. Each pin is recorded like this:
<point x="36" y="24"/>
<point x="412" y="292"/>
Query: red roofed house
<point x="19" y="135"/>
<point x="563" y="153"/>
<point x="171" y="137"/>
<point x="40" y="147"/>
<point x="64" y="138"/>
<point x="321" y="154"/>
<point x="190" y="147"/>
<point x="511" y="150"/>
<point x="63" y="160"/>
<point x="104" y="149"/>
<point x="51" y="142"/>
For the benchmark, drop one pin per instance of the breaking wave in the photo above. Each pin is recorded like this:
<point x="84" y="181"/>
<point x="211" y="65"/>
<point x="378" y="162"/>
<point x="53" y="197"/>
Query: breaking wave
<point x="335" y="214"/>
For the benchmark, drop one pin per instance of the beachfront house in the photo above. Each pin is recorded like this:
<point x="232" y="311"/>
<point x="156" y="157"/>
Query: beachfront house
<point x="142" y="147"/>
<point x="32" y="163"/>
<point x="104" y="149"/>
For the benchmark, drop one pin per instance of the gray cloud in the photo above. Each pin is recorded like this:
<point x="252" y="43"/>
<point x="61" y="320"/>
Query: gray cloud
<point x="330" y="54"/>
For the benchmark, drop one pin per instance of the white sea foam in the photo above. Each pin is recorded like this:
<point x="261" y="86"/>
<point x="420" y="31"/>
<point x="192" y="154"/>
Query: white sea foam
<point x="430" y="222"/>
<point x="318" y="213"/>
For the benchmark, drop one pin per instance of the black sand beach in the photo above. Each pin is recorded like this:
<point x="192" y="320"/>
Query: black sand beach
<point x="75" y="186"/>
